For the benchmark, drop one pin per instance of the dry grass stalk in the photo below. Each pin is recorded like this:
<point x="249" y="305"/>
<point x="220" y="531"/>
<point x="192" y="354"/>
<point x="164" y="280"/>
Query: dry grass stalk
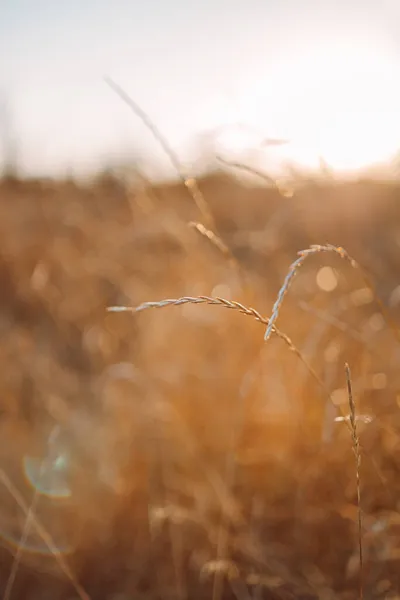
<point x="214" y="239"/>
<point x="189" y="182"/>
<point x="25" y="532"/>
<point x="295" y="266"/>
<point x="213" y="301"/>
<point x="31" y="519"/>
<point x="282" y="189"/>
<point x="335" y="322"/>
<point x="208" y="230"/>
<point x="233" y="305"/>
<point x="247" y="169"/>
<point x="356" y="449"/>
<point x="22" y="542"/>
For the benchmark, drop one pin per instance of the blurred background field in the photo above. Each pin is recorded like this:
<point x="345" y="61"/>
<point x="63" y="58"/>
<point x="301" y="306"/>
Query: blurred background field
<point x="173" y="453"/>
<point x="188" y="457"/>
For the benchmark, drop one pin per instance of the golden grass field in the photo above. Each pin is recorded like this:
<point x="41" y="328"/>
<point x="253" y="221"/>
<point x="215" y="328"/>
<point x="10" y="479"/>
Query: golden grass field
<point x="202" y="461"/>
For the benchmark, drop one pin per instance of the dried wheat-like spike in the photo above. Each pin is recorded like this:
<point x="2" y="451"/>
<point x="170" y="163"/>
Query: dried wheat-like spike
<point x="295" y="266"/>
<point x="233" y="305"/>
<point x="356" y="449"/>
<point x="215" y="301"/>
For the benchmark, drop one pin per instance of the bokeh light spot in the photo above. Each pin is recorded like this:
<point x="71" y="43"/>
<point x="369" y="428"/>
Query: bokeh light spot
<point x="327" y="279"/>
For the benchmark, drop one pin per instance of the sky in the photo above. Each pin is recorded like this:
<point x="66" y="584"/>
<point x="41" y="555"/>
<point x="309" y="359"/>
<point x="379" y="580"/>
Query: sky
<point x="323" y="74"/>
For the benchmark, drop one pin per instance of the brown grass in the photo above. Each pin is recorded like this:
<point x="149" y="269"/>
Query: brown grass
<point x="199" y="452"/>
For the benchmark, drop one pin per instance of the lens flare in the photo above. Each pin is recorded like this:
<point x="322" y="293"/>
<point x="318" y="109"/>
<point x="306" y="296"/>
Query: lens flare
<point x="53" y="481"/>
<point x="36" y="513"/>
<point x="48" y="478"/>
<point x="49" y="475"/>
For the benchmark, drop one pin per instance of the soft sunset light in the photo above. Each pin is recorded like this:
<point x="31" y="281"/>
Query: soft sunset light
<point x="323" y="76"/>
<point x="335" y="101"/>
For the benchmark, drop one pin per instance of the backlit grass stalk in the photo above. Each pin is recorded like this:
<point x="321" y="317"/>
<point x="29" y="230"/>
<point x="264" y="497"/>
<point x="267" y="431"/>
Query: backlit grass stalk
<point x="283" y="190"/>
<point x="356" y="449"/>
<point x="189" y="182"/>
<point x="43" y="533"/>
<point x="26" y="530"/>
<point x="213" y="301"/>
<point x="233" y="305"/>
<point x="209" y="228"/>
<point x="230" y="304"/>
<point x="214" y="239"/>
<point x="295" y="266"/>
<point x="21" y="545"/>
<point x="252" y="312"/>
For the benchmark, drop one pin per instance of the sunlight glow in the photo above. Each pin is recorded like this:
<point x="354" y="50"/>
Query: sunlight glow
<point x="338" y="102"/>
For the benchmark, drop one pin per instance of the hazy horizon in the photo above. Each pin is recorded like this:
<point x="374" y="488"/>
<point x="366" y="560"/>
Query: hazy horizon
<point x="322" y="74"/>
